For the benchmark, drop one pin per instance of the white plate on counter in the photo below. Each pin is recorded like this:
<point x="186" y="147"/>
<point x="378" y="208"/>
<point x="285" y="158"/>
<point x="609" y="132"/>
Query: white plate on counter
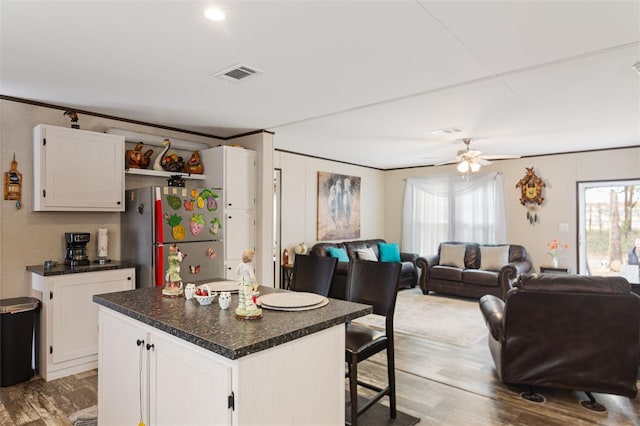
<point x="290" y="300"/>
<point x="324" y="302"/>
<point x="230" y="286"/>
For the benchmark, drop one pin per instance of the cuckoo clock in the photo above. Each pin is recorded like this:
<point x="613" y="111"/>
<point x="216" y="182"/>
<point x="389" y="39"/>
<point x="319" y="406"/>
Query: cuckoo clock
<point x="531" y="193"/>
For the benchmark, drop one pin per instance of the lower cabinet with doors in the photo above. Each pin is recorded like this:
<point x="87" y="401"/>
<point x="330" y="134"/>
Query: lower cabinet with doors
<point x="68" y="336"/>
<point x="148" y="375"/>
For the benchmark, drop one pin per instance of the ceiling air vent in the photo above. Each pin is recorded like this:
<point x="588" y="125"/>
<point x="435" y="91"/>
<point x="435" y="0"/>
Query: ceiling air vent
<point x="238" y="72"/>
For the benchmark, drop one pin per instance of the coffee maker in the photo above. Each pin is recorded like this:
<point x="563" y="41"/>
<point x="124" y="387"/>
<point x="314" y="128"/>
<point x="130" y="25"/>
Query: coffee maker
<point x="76" y="252"/>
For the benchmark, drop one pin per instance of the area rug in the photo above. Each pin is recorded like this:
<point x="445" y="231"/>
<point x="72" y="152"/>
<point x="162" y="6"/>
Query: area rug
<point x="378" y="415"/>
<point x="444" y="319"/>
<point x="86" y="417"/>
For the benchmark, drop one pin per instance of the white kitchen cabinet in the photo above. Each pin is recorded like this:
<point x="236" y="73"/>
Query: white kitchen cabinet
<point x="77" y="170"/>
<point x="233" y="170"/>
<point x="174" y="382"/>
<point x="239" y="235"/>
<point x="68" y="341"/>
<point x="169" y="381"/>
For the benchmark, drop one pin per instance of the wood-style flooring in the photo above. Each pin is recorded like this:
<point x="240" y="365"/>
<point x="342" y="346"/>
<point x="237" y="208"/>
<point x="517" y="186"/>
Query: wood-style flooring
<point x="37" y="402"/>
<point x="442" y="384"/>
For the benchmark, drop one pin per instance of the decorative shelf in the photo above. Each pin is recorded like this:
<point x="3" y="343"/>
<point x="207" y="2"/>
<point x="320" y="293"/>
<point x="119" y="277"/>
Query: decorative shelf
<point x="162" y="173"/>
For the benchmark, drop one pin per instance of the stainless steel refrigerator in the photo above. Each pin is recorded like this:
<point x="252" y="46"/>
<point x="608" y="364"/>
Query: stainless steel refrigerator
<point x="156" y="217"/>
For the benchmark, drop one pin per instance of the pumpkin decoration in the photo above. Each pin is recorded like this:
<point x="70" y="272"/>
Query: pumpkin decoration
<point x="194" y="164"/>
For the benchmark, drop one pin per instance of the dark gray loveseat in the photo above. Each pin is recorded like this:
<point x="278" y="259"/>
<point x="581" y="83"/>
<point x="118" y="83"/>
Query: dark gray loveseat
<point x="408" y="274"/>
<point x="470" y="280"/>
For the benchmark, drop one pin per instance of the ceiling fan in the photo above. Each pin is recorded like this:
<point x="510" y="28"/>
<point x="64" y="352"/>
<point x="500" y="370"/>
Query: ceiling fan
<point x="471" y="159"/>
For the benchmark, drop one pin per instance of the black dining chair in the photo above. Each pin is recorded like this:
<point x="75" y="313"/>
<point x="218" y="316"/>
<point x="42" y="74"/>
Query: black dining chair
<point x="376" y="284"/>
<point x="313" y="274"/>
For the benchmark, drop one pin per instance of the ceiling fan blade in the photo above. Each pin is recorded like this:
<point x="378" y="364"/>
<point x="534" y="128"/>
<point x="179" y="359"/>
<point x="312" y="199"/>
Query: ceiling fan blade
<point x="473" y="153"/>
<point x="500" y="157"/>
<point x="447" y="162"/>
<point x="482" y="161"/>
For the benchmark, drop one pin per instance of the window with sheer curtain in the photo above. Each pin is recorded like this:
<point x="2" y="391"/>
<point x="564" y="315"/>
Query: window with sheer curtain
<point x="438" y="209"/>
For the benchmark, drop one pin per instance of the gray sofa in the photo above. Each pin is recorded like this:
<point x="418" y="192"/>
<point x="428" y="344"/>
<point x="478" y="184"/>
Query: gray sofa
<point x="469" y="280"/>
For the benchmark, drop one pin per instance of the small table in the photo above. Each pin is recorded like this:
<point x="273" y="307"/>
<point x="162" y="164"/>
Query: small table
<point x="286" y="275"/>
<point x="561" y="270"/>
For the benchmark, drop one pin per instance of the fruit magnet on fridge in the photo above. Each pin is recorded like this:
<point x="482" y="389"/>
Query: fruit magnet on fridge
<point x="13" y="184"/>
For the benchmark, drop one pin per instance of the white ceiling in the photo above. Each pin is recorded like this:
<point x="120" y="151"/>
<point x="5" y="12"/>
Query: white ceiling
<point x="358" y="81"/>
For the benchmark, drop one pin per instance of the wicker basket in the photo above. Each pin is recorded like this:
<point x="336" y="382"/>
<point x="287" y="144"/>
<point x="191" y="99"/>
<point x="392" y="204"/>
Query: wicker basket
<point x="205" y="300"/>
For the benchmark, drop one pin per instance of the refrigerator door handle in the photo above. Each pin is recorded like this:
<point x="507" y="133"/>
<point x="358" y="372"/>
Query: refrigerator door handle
<point x="159" y="265"/>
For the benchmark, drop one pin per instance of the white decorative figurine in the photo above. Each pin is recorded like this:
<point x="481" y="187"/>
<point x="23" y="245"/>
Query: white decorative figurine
<point x="248" y="288"/>
<point x="172" y="280"/>
<point x="224" y="300"/>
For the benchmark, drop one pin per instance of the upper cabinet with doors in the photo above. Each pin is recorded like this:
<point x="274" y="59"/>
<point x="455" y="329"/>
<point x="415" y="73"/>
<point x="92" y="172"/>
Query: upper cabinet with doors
<point x="77" y="170"/>
<point x="233" y="170"/>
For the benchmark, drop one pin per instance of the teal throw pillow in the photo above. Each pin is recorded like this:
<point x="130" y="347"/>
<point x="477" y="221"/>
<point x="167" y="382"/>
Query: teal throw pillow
<point x="340" y="253"/>
<point x="389" y="252"/>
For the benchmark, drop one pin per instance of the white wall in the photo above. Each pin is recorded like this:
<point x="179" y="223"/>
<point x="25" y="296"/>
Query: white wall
<point x="559" y="172"/>
<point x="299" y="197"/>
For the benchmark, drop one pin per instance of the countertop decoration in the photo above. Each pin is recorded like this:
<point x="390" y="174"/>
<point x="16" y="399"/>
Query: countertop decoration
<point x="172" y="279"/>
<point x="247" y="289"/>
<point x="217" y="330"/>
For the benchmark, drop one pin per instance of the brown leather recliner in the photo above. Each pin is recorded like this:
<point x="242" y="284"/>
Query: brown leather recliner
<point x="566" y="331"/>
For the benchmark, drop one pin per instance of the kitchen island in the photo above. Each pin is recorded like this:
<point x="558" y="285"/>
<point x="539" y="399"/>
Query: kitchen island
<point x="172" y="361"/>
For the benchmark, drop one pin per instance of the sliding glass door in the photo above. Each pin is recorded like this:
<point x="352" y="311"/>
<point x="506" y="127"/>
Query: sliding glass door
<point x="609" y="228"/>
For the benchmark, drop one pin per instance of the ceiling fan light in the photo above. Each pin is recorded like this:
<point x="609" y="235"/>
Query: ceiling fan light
<point x="475" y="166"/>
<point x="463" y="166"/>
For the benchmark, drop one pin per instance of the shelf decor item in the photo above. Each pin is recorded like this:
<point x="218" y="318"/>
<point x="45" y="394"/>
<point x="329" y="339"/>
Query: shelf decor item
<point x="136" y="159"/>
<point x="73" y="116"/>
<point x="194" y="164"/>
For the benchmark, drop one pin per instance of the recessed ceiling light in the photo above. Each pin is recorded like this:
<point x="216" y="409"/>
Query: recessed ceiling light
<point x="215" y="14"/>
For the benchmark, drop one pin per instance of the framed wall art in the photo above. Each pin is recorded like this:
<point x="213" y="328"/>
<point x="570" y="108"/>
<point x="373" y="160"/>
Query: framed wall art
<point x="338" y="206"/>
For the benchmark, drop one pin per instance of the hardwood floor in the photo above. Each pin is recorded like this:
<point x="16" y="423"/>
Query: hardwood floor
<point x="37" y="402"/>
<point x="442" y="384"/>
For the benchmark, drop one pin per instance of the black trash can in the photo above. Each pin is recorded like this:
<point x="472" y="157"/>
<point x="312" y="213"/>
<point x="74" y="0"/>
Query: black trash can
<point x="17" y="335"/>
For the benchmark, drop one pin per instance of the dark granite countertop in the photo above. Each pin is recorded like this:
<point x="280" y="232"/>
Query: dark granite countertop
<point x="219" y="330"/>
<point x="62" y="269"/>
